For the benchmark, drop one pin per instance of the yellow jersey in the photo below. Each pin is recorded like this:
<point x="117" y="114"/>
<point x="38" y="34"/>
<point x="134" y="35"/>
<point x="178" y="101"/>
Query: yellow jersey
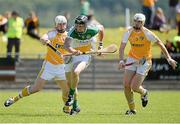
<point x="140" y="42"/>
<point x="57" y="41"/>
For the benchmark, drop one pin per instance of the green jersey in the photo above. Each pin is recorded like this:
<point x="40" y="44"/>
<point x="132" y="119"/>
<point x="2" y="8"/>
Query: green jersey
<point x="84" y="41"/>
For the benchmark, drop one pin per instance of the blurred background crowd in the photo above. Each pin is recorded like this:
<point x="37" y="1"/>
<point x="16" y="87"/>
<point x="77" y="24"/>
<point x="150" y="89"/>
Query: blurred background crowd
<point x="161" y="15"/>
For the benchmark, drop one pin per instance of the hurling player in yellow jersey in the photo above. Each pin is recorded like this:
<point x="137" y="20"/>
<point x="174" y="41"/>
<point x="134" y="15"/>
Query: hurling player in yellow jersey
<point x="140" y="39"/>
<point x="53" y="65"/>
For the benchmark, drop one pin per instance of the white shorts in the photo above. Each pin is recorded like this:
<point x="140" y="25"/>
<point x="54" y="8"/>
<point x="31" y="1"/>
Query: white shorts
<point x="50" y="71"/>
<point x="75" y="59"/>
<point x="140" y="69"/>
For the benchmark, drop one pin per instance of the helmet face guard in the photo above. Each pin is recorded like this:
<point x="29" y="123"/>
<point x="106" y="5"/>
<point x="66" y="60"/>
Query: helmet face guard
<point x="81" y="24"/>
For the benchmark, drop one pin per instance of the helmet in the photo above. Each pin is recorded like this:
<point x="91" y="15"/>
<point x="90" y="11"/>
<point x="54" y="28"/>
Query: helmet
<point x="139" y="17"/>
<point x="82" y="19"/>
<point x="60" y="19"/>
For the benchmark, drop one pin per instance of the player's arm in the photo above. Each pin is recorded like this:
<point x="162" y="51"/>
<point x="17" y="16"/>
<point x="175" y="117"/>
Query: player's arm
<point x="171" y="61"/>
<point x="121" y="55"/>
<point x="122" y="48"/>
<point x="152" y="37"/>
<point x="101" y="36"/>
<point x="121" y="51"/>
<point x="67" y="46"/>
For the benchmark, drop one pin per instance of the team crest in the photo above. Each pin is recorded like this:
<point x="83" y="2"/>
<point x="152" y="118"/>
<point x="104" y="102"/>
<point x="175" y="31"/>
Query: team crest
<point x="88" y="36"/>
<point x="83" y="37"/>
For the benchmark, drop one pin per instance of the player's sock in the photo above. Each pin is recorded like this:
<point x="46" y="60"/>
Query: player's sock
<point x="25" y="92"/>
<point x="70" y="100"/>
<point x="144" y="91"/>
<point x="76" y="95"/>
<point x="144" y="98"/>
<point x="131" y="105"/>
<point x="71" y="91"/>
<point x="12" y="100"/>
<point x="75" y="104"/>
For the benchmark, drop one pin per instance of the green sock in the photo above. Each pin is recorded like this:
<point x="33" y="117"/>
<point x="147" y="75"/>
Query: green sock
<point x="75" y="104"/>
<point x="71" y="92"/>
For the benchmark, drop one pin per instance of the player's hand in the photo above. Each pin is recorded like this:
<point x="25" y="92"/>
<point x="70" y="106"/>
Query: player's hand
<point x="121" y="64"/>
<point x="99" y="48"/>
<point x="77" y="52"/>
<point x="172" y="62"/>
<point x="44" y="42"/>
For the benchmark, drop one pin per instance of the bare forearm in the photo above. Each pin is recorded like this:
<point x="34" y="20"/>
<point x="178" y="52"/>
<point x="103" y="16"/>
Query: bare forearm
<point x="164" y="50"/>
<point x="101" y="34"/>
<point x="67" y="45"/>
<point x="121" y="51"/>
<point x="71" y="50"/>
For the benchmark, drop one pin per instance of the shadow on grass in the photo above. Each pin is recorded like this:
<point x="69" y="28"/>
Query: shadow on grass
<point x="56" y="114"/>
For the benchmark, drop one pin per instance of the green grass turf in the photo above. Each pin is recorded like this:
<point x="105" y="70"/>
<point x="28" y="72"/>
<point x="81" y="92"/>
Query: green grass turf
<point x="31" y="48"/>
<point x="96" y="107"/>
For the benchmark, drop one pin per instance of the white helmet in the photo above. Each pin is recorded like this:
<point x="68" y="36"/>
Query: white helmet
<point x="60" y="19"/>
<point x="139" y="17"/>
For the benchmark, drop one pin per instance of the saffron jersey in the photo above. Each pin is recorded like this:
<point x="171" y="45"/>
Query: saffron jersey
<point x="140" y="42"/>
<point x="57" y="41"/>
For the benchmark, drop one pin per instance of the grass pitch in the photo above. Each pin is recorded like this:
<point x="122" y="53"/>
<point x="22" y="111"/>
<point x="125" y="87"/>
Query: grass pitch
<point x="96" y="107"/>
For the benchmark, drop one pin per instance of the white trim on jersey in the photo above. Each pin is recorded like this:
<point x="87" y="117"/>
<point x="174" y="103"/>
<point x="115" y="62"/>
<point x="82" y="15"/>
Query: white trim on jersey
<point x="52" y="34"/>
<point x="149" y="35"/>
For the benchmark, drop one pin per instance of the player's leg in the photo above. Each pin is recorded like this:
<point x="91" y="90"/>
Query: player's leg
<point x="42" y="77"/>
<point x="75" y="102"/>
<point x="26" y="91"/>
<point x="137" y="87"/>
<point x="138" y="80"/>
<point x="65" y="91"/>
<point x="78" y="67"/>
<point x="128" y="76"/>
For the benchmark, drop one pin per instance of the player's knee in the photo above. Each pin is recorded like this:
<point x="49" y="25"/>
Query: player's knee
<point x="127" y="87"/>
<point x="76" y="72"/>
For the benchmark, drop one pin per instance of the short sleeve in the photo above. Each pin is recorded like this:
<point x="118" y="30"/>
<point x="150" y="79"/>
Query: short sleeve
<point x="151" y="36"/>
<point x="51" y="34"/>
<point x="126" y="36"/>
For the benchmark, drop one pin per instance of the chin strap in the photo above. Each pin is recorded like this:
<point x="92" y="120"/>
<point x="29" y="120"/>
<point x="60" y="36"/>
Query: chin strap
<point x="136" y="28"/>
<point x="60" y="31"/>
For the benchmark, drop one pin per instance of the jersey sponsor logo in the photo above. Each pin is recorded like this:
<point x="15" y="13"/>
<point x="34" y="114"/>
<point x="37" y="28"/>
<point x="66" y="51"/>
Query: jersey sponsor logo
<point x="137" y="45"/>
<point x="82" y="41"/>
